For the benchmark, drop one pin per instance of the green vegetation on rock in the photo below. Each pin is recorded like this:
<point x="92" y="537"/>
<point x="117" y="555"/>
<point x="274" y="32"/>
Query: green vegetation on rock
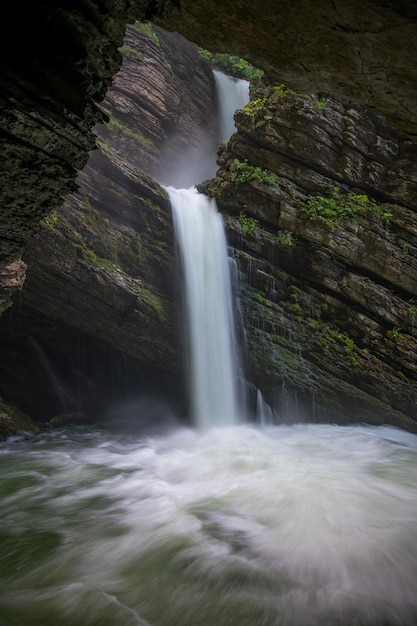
<point x="132" y="51"/>
<point x="249" y="224"/>
<point x="332" y="339"/>
<point x="256" y="109"/>
<point x="51" y="221"/>
<point x="116" y="125"/>
<point x="283" y="92"/>
<point x="242" y="172"/>
<point x="147" y="29"/>
<point x="286" y="238"/>
<point x="233" y="66"/>
<point x="338" y="206"/>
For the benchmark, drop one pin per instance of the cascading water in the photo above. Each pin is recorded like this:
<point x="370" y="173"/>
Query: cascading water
<point x="200" y="234"/>
<point x="232" y="94"/>
<point x="303" y="525"/>
<point x="209" y="309"/>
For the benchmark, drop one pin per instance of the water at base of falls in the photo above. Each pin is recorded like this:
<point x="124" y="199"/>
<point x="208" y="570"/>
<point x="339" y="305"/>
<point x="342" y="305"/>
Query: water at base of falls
<point x="291" y="526"/>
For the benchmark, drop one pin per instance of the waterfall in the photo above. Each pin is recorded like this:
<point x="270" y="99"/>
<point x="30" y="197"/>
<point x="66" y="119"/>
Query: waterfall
<point x="208" y="301"/>
<point x="208" y="308"/>
<point x="232" y="94"/>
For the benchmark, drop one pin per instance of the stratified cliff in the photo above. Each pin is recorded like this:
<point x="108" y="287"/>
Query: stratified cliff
<point x="101" y="284"/>
<point x="321" y="198"/>
<point x="357" y="276"/>
<point x="67" y="55"/>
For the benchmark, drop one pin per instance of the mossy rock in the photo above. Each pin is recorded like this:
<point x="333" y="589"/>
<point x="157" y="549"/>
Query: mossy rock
<point x="13" y="421"/>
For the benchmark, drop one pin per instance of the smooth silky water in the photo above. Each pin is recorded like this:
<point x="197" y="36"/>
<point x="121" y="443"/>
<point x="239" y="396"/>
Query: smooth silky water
<point x="225" y="524"/>
<point x="241" y="526"/>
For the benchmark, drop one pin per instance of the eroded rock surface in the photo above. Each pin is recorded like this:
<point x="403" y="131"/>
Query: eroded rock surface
<point x="344" y="279"/>
<point x="101" y="284"/>
<point x="330" y="299"/>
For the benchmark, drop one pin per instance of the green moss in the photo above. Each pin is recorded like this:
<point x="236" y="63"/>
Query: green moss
<point x="286" y="239"/>
<point x="249" y="224"/>
<point x="234" y="66"/>
<point x="397" y="333"/>
<point x="282" y="91"/>
<point x="116" y="125"/>
<point x="242" y="172"/>
<point x="320" y="104"/>
<point x="156" y="303"/>
<point x="51" y="221"/>
<point x="401" y="376"/>
<point x="314" y="324"/>
<point x="152" y="205"/>
<point x="92" y="256"/>
<point x="132" y="51"/>
<point x="260" y="297"/>
<point x="106" y="263"/>
<point x="141" y="252"/>
<point x="256" y="109"/>
<point x="333" y="339"/>
<point x="338" y="206"/>
<point x="147" y="29"/>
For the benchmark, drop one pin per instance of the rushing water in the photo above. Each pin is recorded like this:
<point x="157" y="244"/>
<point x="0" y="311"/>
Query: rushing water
<point x="208" y="308"/>
<point x="207" y="287"/>
<point x="305" y="525"/>
<point x="232" y="94"/>
<point x="291" y="526"/>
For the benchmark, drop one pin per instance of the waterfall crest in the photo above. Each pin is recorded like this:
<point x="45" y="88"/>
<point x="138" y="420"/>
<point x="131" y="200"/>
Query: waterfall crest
<point x="232" y="94"/>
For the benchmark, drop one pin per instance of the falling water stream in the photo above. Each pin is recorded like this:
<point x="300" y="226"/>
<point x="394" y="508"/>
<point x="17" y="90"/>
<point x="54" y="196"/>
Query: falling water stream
<point x="208" y="309"/>
<point x="226" y="524"/>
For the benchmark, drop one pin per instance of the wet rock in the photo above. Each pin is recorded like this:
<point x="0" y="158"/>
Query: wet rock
<point x="331" y="297"/>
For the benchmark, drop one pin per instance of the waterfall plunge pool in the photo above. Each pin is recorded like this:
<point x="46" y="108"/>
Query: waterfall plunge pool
<point x="284" y="525"/>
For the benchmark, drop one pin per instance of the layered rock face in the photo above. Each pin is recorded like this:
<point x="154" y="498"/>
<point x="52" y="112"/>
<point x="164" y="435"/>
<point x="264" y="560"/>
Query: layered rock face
<point x="347" y="305"/>
<point x="68" y="54"/>
<point x="101" y="275"/>
<point x="321" y="199"/>
<point x="360" y="50"/>
<point x="50" y="82"/>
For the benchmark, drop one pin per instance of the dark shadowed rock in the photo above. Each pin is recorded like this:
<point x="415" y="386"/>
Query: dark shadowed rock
<point x="101" y="273"/>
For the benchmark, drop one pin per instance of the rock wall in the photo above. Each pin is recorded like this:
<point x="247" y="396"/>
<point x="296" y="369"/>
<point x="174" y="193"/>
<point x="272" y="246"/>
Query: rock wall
<point x="321" y="199"/>
<point x="360" y="50"/>
<point x="67" y="56"/>
<point x="60" y="66"/>
<point x="101" y="285"/>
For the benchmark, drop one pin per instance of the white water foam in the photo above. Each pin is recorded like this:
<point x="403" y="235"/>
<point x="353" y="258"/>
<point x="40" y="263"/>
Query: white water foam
<point x="290" y="526"/>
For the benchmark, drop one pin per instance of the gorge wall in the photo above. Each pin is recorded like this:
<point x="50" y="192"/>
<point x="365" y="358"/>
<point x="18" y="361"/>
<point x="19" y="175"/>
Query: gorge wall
<point x="320" y="199"/>
<point x="348" y="308"/>
<point x="97" y="317"/>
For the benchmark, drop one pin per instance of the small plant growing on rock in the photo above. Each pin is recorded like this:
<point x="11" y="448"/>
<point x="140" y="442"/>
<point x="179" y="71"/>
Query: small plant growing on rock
<point x="242" y="172"/>
<point x="256" y="109"/>
<point x="249" y="224"/>
<point x="338" y="206"/>
<point x="333" y="338"/>
<point x="282" y="91"/>
<point x="285" y="238"/>
<point x="396" y="333"/>
<point x="320" y="104"/>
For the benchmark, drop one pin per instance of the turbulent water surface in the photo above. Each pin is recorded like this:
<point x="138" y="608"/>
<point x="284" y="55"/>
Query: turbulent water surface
<point x="300" y="525"/>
